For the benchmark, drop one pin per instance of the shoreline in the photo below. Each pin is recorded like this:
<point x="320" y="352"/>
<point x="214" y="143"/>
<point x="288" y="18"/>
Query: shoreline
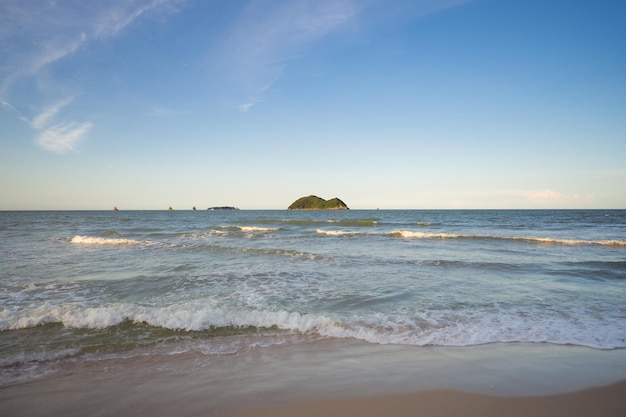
<point x="336" y="377"/>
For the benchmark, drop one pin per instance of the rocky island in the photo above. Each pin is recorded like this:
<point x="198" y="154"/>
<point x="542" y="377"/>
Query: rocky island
<point x="316" y="203"/>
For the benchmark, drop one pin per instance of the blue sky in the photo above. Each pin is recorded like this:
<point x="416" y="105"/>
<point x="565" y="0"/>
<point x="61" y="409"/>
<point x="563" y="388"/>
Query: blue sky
<point x="148" y="104"/>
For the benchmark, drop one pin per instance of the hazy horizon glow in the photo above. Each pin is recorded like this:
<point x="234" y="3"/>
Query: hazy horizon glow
<point x="399" y="104"/>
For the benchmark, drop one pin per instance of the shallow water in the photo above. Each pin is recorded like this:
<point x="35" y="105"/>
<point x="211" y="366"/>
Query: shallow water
<point x="85" y="285"/>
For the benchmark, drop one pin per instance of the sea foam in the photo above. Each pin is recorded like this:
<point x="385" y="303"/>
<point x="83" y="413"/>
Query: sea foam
<point x="257" y="229"/>
<point x="409" y="234"/>
<point x="443" y="328"/>
<point x="337" y="232"/>
<point x="188" y="317"/>
<point x="90" y="240"/>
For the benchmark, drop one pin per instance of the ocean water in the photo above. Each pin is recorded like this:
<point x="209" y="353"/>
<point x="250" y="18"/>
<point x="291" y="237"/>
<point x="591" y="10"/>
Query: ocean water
<point x="90" y="285"/>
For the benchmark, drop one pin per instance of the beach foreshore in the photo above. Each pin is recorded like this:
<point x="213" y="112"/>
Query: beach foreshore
<point x="609" y="401"/>
<point x="331" y="377"/>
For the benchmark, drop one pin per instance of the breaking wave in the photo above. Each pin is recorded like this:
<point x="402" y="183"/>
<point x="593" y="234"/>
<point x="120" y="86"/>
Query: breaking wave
<point x="408" y="234"/>
<point x="441" y="328"/>
<point x="90" y="240"/>
<point x="337" y="232"/>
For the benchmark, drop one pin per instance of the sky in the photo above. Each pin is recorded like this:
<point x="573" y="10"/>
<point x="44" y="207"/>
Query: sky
<point x="390" y="104"/>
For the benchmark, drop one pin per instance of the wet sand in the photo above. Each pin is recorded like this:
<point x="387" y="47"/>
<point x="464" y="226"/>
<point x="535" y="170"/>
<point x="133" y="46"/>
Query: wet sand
<point x="332" y="378"/>
<point x="598" y="402"/>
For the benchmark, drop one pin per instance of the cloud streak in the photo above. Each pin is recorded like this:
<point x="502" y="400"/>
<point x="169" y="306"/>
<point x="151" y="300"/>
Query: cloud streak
<point x="36" y="34"/>
<point x="40" y="121"/>
<point x="8" y="105"/>
<point x="63" y="137"/>
<point x="266" y="36"/>
<point x="58" y="137"/>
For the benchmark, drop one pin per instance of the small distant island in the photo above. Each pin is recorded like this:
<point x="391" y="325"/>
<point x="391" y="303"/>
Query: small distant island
<point x="223" y="208"/>
<point x="316" y="203"/>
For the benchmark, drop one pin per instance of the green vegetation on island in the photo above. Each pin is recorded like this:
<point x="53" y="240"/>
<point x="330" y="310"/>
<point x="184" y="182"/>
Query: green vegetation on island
<point x="316" y="203"/>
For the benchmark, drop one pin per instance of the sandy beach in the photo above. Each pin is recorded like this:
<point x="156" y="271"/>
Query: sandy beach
<point x="607" y="401"/>
<point x="332" y="378"/>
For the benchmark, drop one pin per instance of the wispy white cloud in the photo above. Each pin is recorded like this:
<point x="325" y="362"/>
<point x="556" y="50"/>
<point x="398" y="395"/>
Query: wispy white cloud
<point x="40" y="120"/>
<point x="245" y="107"/>
<point x="6" y="105"/>
<point x="252" y="54"/>
<point x="54" y="136"/>
<point x="266" y="36"/>
<point x="38" y="33"/>
<point x="63" y="137"/>
<point x="118" y="19"/>
<point x="248" y="104"/>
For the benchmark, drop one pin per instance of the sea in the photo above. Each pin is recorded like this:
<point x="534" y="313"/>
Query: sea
<point x="85" y="286"/>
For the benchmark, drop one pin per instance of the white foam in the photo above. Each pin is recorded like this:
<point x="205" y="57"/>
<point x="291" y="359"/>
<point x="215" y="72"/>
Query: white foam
<point x="409" y="234"/>
<point x="257" y="229"/>
<point x="445" y="328"/>
<point x="336" y="232"/>
<point x="203" y="235"/>
<point x="90" y="240"/>
<point x="202" y="317"/>
<point x="573" y="241"/>
<point x="468" y="329"/>
<point x="190" y="317"/>
<point x="69" y="316"/>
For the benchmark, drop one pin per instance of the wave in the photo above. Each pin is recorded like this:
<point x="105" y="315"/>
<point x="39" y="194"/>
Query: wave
<point x="355" y="222"/>
<point x="409" y="234"/>
<point x="227" y="231"/>
<point x="262" y="251"/>
<point x="249" y="229"/>
<point x="90" y="240"/>
<point x="427" y="328"/>
<point x="257" y="229"/>
<point x="470" y="328"/>
<point x="188" y="317"/>
<point x="621" y="265"/>
<point x="593" y="270"/>
<point x="337" y="232"/>
<point x="291" y="253"/>
<point x="368" y="222"/>
<point x="573" y="241"/>
<point x="204" y="234"/>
